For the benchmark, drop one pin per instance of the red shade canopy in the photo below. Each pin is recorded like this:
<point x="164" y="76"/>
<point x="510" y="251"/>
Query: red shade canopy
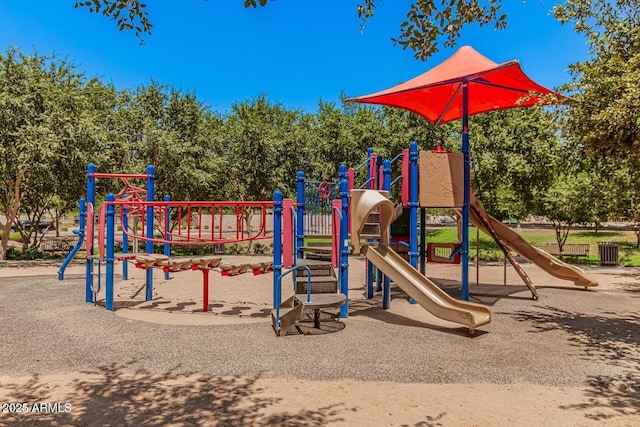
<point x="437" y="94"/>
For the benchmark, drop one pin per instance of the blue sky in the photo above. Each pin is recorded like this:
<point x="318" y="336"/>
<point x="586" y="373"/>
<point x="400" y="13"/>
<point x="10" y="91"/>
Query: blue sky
<point x="293" y="51"/>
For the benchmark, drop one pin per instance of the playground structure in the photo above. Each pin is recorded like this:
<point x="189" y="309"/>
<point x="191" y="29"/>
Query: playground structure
<point x="428" y="179"/>
<point x="435" y="183"/>
<point x="163" y="223"/>
<point x="340" y="208"/>
<point x="440" y="96"/>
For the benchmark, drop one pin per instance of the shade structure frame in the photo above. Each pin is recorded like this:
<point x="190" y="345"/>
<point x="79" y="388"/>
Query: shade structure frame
<point x="424" y="95"/>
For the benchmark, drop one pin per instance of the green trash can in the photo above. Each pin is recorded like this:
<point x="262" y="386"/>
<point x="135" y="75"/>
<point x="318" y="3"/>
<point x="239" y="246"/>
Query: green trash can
<point x="608" y="253"/>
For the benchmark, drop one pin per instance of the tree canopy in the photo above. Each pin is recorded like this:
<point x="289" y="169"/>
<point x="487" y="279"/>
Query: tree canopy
<point x="605" y="90"/>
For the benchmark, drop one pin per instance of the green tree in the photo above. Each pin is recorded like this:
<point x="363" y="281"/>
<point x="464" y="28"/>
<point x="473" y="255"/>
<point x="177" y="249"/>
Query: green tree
<point x="605" y="90"/>
<point x="514" y="160"/>
<point x="402" y="127"/>
<point x="342" y="137"/>
<point x="567" y="202"/>
<point x="46" y="130"/>
<point x="623" y="191"/>
<point x="261" y="139"/>
<point x="127" y="14"/>
<point x="157" y="125"/>
<point x="429" y="22"/>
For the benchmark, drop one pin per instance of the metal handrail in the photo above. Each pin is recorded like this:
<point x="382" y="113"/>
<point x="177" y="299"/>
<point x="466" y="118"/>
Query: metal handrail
<point x="398" y="178"/>
<point x="279" y="286"/>
<point x="399" y="156"/>
<point x="365" y="183"/>
<point x="361" y="165"/>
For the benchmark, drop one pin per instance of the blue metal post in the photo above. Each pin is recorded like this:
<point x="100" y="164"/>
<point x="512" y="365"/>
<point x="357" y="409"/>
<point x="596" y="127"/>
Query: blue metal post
<point x="370" y="273"/>
<point x="344" y="236"/>
<point x="386" y="176"/>
<point x="277" y="247"/>
<point x="386" y="185"/>
<point x="423" y="239"/>
<point x="91" y="198"/>
<point x="167" y="236"/>
<point x="466" y="183"/>
<point x="413" y="206"/>
<point x="379" y="186"/>
<point x="125" y="242"/>
<point x="110" y="252"/>
<point x="300" y="213"/>
<point x="370" y="186"/>
<point x="149" y="233"/>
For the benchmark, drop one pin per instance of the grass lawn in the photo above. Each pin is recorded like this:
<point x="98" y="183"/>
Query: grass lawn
<point x="628" y="254"/>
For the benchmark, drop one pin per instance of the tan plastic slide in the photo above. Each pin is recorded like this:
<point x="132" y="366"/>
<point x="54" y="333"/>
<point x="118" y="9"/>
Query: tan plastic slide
<point x="411" y="281"/>
<point x="516" y="243"/>
<point x="424" y="291"/>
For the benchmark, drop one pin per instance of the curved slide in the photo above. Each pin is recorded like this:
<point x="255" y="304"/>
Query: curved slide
<point x="424" y="291"/>
<point x="516" y="243"/>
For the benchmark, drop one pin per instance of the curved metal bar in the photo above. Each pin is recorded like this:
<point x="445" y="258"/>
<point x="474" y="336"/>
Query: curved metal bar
<point x="398" y="157"/>
<point x="339" y="211"/>
<point x="279" y="285"/>
<point x="398" y="178"/>
<point x="365" y="183"/>
<point x="361" y="165"/>
<point x="76" y="248"/>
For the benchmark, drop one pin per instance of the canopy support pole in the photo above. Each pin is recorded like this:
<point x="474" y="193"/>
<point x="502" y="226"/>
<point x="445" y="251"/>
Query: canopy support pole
<point x="466" y="182"/>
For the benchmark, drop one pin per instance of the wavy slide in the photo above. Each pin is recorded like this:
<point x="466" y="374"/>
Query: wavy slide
<point x="516" y="243"/>
<point x="424" y="291"/>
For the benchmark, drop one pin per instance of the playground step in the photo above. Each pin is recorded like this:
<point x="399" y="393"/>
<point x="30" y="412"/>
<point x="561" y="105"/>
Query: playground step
<point x="370" y="229"/>
<point x="318" y="256"/>
<point x="314" y="264"/>
<point x="321" y="253"/>
<point x="321" y="283"/>
<point x="317" y="271"/>
<point x="317" y="279"/>
<point x="374" y="217"/>
<point x="317" y="248"/>
<point x="290" y="314"/>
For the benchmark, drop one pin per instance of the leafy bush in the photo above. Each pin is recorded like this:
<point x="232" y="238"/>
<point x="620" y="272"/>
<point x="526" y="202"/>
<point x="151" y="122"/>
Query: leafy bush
<point x="263" y="248"/>
<point x="235" y="249"/>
